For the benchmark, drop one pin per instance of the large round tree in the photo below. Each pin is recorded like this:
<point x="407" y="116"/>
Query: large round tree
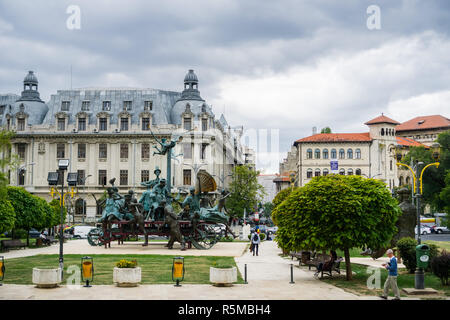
<point x="337" y="212"/>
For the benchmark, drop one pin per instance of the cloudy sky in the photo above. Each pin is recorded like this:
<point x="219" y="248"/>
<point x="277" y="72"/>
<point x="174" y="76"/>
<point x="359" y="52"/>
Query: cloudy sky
<point x="277" y="67"/>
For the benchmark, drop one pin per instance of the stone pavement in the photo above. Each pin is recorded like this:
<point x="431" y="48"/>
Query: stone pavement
<point x="374" y="263"/>
<point x="268" y="278"/>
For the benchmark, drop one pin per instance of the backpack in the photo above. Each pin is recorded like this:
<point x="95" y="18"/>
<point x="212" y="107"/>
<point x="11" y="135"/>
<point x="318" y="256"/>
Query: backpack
<point x="255" y="237"/>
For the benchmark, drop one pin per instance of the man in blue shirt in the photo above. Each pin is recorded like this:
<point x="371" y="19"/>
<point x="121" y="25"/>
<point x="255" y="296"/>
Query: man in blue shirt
<point x="391" y="280"/>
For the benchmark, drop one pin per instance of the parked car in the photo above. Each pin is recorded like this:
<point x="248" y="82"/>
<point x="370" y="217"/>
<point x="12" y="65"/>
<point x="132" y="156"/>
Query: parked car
<point x="273" y="229"/>
<point x="441" y="230"/>
<point x="423" y="230"/>
<point x="81" y="232"/>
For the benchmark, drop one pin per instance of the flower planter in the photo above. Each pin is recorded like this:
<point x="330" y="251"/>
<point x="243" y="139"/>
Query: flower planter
<point x="223" y="277"/>
<point x="127" y="277"/>
<point x="46" y="278"/>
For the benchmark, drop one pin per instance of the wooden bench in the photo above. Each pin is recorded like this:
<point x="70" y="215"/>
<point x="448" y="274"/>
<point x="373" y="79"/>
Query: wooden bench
<point x="14" y="243"/>
<point x="317" y="259"/>
<point x="335" y="266"/>
<point x="52" y="239"/>
<point x="302" y="256"/>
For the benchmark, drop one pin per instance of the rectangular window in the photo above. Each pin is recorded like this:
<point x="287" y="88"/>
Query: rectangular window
<point x="203" y="151"/>
<point x="103" y="124"/>
<point x="81" y="151"/>
<point x="81" y="177"/>
<point x="123" y="177"/>
<point x="127" y="105"/>
<point x="22" y="177"/>
<point x="61" y="124"/>
<point x="145" y="151"/>
<point x="21" y="150"/>
<point x="204" y="124"/>
<point x="65" y="106"/>
<point x="123" y="124"/>
<point x="187" y="177"/>
<point x="85" y="105"/>
<point x="81" y="124"/>
<point x="106" y="106"/>
<point x="20" y="124"/>
<point x="102" y="177"/>
<point x="145" y="175"/>
<point x="187" y="124"/>
<point x="148" y="105"/>
<point x="145" y="124"/>
<point x="309" y="174"/>
<point x="60" y="150"/>
<point x="124" y="151"/>
<point x="102" y="150"/>
<point x="187" y="150"/>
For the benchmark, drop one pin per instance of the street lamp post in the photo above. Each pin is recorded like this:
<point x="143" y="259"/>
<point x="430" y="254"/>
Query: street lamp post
<point x="419" y="276"/>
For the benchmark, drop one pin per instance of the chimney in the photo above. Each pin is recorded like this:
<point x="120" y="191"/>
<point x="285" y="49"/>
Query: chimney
<point x="314" y="130"/>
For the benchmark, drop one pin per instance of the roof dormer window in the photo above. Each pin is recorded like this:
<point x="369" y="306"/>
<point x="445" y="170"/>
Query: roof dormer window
<point x="65" y="106"/>
<point x="127" y="105"/>
<point x="106" y="106"/>
<point x="148" y="105"/>
<point x="85" y="105"/>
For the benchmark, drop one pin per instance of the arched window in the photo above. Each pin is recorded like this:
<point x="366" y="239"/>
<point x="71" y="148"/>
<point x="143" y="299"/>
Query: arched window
<point x="325" y="153"/>
<point x="350" y="153"/>
<point x="358" y="153"/>
<point x="317" y="173"/>
<point x="400" y="180"/>
<point x="382" y="131"/>
<point x="358" y="172"/>
<point x="341" y="154"/>
<point x="350" y="172"/>
<point x="333" y="154"/>
<point x="342" y="172"/>
<point x="309" y="154"/>
<point x="80" y="207"/>
<point x="309" y="173"/>
<point x="325" y="172"/>
<point x="317" y="153"/>
<point x="407" y="180"/>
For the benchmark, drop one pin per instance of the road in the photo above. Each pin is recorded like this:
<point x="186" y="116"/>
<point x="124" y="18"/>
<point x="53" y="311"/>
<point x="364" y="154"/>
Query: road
<point x="436" y="237"/>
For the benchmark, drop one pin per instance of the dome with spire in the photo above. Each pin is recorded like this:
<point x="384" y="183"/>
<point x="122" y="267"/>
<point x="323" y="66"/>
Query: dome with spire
<point x="30" y="78"/>
<point x="190" y="76"/>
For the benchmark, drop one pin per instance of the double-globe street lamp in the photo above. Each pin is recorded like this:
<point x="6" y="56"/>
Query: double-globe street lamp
<point x="417" y="174"/>
<point x="53" y="179"/>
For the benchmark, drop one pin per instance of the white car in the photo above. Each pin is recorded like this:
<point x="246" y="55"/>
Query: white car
<point x="81" y="232"/>
<point x="441" y="230"/>
<point x="423" y="230"/>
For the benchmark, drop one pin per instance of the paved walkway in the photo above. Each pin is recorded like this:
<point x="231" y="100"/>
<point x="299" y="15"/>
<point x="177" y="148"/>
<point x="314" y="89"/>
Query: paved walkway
<point x="268" y="278"/>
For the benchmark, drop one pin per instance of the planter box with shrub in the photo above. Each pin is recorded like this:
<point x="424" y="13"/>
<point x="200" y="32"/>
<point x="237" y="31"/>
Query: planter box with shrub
<point x="127" y="273"/>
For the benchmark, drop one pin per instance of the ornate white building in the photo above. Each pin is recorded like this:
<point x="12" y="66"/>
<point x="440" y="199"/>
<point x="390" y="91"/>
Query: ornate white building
<point x="107" y="132"/>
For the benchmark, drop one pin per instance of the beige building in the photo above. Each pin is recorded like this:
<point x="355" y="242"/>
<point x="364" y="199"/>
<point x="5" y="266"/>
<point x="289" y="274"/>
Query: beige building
<point x="370" y="154"/>
<point x="112" y="133"/>
<point x="424" y="129"/>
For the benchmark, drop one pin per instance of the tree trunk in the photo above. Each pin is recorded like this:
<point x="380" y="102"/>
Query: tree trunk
<point x="348" y="266"/>
<point x="28" y="238"/>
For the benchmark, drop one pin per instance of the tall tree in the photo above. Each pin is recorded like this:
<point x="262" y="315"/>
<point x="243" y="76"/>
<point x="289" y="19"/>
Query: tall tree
<point x="337" y="212"/>
<point x="7" y="161"/>
<point x="245" y="191"/>
<point x="325" y="130"/>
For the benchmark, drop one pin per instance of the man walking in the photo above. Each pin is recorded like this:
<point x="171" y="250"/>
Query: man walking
<point x="391" y="280"/>
<point x="256" y="240"/>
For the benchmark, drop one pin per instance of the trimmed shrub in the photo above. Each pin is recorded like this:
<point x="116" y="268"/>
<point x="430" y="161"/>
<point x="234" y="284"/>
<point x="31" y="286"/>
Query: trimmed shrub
<point x="440" y="266"/>
<point x="126" y="264"/>
<point x="407" y="249"/>
<point x="226" y="239"/>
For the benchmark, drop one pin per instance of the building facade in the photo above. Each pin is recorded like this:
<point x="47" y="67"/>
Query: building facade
<point x="424" y="129"/>
<point x="113" y="133"/>
<point x="370" y="154"/>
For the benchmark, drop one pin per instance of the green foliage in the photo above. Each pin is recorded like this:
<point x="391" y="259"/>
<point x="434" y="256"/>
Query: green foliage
<point x="282" y="195"/>
<point x="29" y="209"/>
<point x="268" y="207"/>
<point x="56" y="213"/>
<point x="407" y="249"/>
<point x="245" y="191"/>
<point x="337" y="212"/>
<point x="226" y="239"/>
<point x="440" y="266"/>
<point x="7" y="216"/>
<point x="326" y="130"/>
<point x="123" y="263"/>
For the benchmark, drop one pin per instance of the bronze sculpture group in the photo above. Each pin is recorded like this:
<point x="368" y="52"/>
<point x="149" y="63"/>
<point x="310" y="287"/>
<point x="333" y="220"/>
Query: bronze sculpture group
<point x="155" y="208"/>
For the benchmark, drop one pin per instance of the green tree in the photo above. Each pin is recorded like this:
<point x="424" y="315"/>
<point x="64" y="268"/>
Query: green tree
<point x="268" y="207"/>
<point x="245" y="191"/>
<point x="56" y="213"/>
<point x="29" y="211"/>
<point x="7" y="215"/>
<point x="337" y="212"/>
<point x="326" y="130"/>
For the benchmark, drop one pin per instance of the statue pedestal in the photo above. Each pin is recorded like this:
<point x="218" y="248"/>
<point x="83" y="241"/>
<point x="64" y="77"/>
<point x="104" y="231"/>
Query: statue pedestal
<point x="245" y="232"/>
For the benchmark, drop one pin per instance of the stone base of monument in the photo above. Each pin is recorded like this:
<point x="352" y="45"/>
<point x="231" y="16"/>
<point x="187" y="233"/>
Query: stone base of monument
<point x="413" y="291"/>
<point x="127" y="277"/>
<point x="46" y="278"/>
<point x="222" y="277"/>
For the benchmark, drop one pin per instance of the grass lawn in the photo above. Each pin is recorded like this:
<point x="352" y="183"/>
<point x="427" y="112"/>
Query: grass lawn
<point x="441" y="244"/>
<point x="358" y="284"/>
<point x="156" y="269"/>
